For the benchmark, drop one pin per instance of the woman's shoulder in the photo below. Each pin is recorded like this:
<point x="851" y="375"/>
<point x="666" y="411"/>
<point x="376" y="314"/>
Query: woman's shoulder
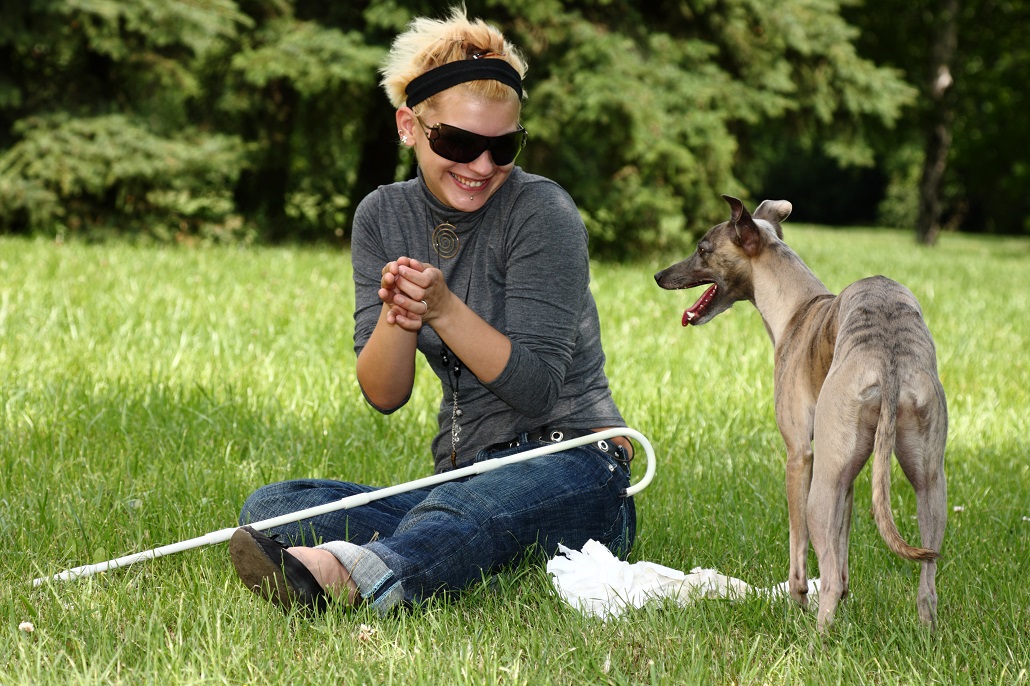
<point x="391" y="192"/>
<point x="534" y="192"/>
<point x="386" y="202"/>
<point x="527" y="183"/>
<point x="538" y="210"/>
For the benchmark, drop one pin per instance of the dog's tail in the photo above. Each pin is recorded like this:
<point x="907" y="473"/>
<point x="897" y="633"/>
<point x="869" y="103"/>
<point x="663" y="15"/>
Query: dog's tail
<point x="883" y="446"/>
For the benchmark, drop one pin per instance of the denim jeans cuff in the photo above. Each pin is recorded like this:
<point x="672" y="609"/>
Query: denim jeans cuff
<point x="375" y="581"/>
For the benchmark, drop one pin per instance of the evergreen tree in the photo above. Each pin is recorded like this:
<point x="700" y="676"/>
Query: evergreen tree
<point x="218" y="117"/>
<point x="976" y="99"/>
<point x="648" y="112"/>
<point x="95" y="121"/>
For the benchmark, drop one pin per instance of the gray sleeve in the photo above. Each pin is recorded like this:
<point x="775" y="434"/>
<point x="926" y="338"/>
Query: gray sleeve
<point x="368" y="255"/>
<point x="548" y="276"/>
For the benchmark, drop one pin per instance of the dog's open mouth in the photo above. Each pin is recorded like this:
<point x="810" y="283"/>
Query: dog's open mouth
<point x="694" y="312"/>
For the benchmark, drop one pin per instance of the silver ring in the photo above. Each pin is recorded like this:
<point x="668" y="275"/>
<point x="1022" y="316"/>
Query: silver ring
<point x="427" y="307"/>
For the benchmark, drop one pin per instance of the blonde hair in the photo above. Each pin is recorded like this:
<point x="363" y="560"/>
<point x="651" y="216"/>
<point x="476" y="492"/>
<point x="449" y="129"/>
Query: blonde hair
<point x="430" y="43"/>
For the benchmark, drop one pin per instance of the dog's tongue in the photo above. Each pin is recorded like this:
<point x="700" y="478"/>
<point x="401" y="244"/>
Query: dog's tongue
<point x="688" y="315"/>
<point x="696" y="310"/>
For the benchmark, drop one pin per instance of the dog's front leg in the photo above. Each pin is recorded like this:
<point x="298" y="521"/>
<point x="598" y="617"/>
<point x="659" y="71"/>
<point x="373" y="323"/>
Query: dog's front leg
<point x="795" y="418"/>
<point x="799" y="479"/>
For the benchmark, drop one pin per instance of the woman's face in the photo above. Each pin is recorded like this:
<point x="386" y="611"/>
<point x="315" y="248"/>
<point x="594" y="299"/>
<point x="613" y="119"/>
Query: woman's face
<point x="463" y="186"/>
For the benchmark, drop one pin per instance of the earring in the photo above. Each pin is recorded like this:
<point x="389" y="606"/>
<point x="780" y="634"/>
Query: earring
<point x="404" y="138"/>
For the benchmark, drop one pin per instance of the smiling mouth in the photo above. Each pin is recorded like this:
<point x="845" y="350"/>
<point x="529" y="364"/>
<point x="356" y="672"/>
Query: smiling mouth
<point x="694" y="312"/>
<point x="470" y="184"/>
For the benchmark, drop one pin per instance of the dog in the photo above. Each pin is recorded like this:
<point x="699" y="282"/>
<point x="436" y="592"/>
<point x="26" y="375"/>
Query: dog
<point x="855" y="374"/>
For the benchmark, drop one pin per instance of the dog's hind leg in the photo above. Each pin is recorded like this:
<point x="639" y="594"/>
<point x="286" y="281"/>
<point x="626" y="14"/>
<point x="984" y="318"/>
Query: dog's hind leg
<point x="849" y="501"/>
<point x="922" y="434"/>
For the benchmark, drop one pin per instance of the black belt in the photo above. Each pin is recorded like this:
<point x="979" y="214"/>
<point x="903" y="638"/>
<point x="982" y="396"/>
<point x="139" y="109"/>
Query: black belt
<point x="559" y="435"/>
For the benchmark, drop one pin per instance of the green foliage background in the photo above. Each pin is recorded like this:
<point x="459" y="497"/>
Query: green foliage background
<point x="262" y="119"/>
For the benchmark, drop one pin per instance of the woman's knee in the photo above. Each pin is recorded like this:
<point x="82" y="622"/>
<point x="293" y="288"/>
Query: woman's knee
<point x="259" y="504"/>
<point x="284" y="497"/>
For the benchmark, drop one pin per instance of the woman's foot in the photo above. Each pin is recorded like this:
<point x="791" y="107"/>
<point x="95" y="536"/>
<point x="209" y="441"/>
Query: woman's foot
<point x="330" y="574"/>
<point x="287" y="576"/>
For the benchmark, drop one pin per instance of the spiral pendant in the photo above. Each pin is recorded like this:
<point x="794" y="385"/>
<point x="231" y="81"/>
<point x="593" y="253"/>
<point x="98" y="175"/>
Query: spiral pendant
<point x="445" y="240"/>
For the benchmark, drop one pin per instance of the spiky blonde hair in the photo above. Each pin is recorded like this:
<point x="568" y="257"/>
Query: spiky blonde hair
<point x="429" y="43"/>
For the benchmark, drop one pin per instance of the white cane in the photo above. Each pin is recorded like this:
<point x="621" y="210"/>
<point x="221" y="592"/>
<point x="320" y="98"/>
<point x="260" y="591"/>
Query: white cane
<point x="359" y="499"/>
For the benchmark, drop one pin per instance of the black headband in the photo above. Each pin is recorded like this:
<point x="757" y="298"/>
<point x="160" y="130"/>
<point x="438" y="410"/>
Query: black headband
<point x="441" y="78"/>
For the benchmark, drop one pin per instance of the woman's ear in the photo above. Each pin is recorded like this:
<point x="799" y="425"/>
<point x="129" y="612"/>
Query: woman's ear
<point x="406" y="126"/>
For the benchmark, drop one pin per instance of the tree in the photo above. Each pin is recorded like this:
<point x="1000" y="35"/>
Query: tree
<point x="971" y="134"/>
<point x="645" y="112"/>
<point x="935" y="160"/>
<point x="296" y="91"/>
<point x="95" y="125"/>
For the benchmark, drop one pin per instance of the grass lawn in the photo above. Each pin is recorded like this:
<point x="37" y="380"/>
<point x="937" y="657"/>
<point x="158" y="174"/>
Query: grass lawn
<point x="145" y="391"/>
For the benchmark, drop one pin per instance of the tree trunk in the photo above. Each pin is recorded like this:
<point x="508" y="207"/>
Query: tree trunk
<point x="938" y="123"/>
<point x="379" y="150"/>
<point x="260" y="192"/>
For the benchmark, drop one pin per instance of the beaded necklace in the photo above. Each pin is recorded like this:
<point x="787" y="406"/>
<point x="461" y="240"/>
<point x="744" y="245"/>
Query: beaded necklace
<point x="445" y="243"/>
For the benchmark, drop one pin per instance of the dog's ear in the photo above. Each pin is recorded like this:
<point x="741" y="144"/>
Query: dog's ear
<point x="774" y="212"/>
<point x="736" y="208"/>
<point x="745" y="235"/>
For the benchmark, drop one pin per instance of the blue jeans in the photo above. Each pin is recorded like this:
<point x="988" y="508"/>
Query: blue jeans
<point x="412" y="545"/>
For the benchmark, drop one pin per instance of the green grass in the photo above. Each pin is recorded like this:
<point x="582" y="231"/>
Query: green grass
<point x="145" y="391"/>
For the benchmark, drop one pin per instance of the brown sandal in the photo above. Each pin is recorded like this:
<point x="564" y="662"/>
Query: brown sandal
<point x="266" y="568"/>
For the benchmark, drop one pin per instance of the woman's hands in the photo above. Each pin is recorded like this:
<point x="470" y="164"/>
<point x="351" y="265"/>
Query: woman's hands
<point x="386" y="365"/>
<point x="414" y="292"/>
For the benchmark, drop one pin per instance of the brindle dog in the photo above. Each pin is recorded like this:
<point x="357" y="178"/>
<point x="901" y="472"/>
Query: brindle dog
<point x="855" y="374"/>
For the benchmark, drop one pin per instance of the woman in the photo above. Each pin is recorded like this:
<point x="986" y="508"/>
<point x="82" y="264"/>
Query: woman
<point x="483" y="269"/>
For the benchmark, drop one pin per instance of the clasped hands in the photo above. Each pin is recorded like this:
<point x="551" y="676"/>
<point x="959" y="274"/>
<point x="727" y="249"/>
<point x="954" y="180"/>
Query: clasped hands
<point x="414" y="292"/>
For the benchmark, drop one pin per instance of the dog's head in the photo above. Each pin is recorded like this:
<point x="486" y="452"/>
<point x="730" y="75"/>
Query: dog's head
<point x="723" y="259"/>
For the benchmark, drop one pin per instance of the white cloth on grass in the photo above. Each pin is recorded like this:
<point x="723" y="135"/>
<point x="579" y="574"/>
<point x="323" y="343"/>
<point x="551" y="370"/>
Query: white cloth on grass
<point x="597" y="583"/>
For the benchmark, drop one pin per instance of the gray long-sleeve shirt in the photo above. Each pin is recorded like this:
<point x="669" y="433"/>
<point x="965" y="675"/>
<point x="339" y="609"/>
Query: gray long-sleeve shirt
<point x="521" y="265"/>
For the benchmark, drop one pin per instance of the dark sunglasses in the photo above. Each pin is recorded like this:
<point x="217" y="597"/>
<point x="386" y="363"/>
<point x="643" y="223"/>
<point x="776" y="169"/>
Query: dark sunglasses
<point x="459" y="145"/>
